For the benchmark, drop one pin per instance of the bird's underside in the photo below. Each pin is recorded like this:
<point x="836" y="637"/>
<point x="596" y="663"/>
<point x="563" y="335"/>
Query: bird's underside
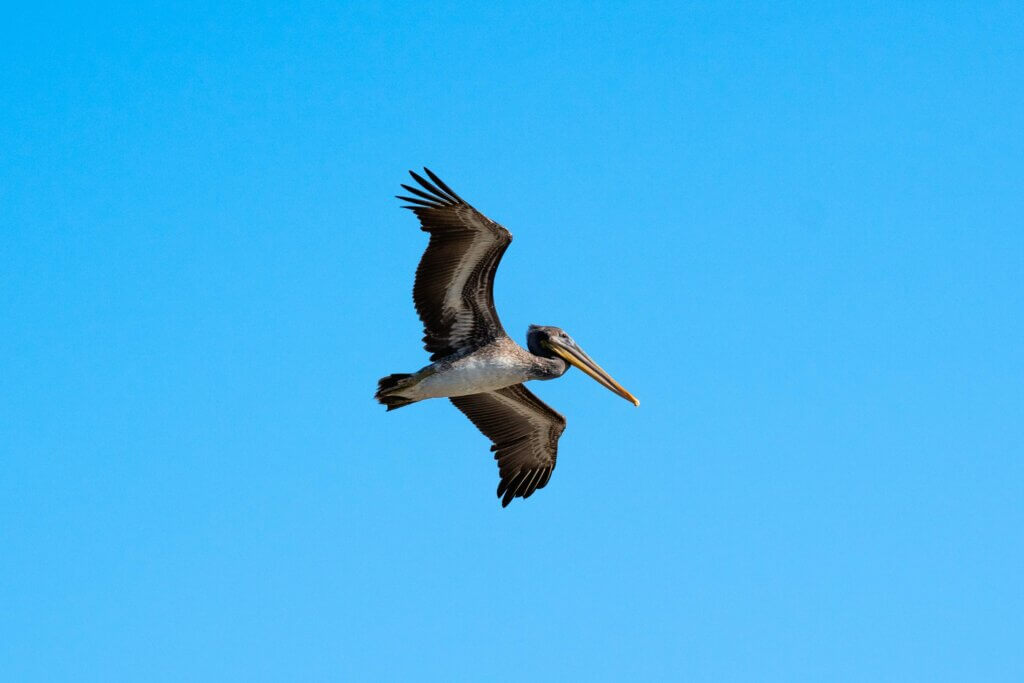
<point x="475" y="364"/>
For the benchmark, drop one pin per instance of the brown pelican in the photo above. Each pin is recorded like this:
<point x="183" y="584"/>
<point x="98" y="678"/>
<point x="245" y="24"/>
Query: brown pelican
<point x="475" y="364"/>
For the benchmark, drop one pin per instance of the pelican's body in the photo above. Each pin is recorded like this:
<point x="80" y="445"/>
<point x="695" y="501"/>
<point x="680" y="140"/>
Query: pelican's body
<point x="496" y="365"/>
<point x="475" y="364"/>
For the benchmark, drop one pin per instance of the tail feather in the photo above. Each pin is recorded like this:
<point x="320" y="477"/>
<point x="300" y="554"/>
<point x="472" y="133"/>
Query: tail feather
<point x="392" y="383"/>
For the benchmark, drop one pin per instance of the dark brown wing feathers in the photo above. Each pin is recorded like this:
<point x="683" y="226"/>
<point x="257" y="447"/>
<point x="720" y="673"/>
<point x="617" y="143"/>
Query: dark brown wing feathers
<point x="454" y="290"/>
<point x="454" y="296"/>
<point x="525" y="432"/>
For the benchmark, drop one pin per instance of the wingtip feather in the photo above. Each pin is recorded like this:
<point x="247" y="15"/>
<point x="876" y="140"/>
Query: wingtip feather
<point x="431" y="188"/>
<point x="442" y="185"/>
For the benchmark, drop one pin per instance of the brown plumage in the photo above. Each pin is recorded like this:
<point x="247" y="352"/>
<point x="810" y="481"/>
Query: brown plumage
<point x="525" y="433"/>
<point x="475" y="364"/>
<point x="454" y="290"/>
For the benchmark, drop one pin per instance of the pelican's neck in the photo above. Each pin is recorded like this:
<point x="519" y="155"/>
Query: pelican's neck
<point x="548" y="368"/>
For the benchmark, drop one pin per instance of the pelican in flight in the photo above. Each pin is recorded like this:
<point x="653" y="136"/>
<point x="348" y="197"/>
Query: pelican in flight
<point x="474" y="362"/>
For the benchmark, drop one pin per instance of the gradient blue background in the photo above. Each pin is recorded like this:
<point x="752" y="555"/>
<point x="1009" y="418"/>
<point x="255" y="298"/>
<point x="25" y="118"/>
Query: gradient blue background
<point x="795" y="232"/>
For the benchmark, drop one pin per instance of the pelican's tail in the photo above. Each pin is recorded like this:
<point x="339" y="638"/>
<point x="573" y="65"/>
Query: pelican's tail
<point x="387" y="388"/>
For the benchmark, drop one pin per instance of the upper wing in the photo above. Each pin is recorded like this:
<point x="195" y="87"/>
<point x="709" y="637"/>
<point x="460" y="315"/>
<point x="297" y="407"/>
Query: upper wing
<point x="454" y="290"/>
<point x="525" y="433"/>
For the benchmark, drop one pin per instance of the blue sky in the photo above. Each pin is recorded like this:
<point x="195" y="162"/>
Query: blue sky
<point x="794" y="231"/>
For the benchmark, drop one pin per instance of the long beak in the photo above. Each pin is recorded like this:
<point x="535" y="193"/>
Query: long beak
<point x="576" y="356"/>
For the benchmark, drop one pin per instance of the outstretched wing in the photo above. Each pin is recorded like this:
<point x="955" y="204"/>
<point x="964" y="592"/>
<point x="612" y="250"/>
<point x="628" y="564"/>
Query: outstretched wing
<point x="525" y="433"/>
<point x="454" y="290"/>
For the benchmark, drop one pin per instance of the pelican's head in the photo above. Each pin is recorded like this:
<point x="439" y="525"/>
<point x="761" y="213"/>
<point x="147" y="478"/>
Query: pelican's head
<point x="553" y="342"/>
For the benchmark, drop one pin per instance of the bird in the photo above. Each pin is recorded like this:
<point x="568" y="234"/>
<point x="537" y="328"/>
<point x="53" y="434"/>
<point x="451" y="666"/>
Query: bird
<point x="474" y="363"/>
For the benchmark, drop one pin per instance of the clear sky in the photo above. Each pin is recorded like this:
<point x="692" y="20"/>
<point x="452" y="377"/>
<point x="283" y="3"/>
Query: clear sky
<point x="794" y="231"/>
